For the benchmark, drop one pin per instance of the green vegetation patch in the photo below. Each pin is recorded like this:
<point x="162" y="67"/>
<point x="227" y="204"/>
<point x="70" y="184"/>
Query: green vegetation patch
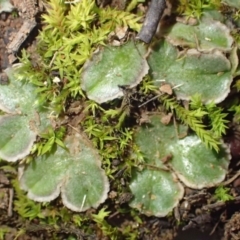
<point x="168" y="152"/>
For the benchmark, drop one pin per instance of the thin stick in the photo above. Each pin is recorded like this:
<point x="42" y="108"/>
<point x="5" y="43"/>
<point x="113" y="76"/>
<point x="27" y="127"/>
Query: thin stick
<point x="179" y="85"/>
<point x="154" y="14"/>
<point x="214" y="228"/>
<point x="230" y="180"/>
<point x="83" y="201"/>
<point x="160" y="80"/>
<point x="69" y="2"/>
<point x="219" y="204"/>
<point x="52" y="60"/>
<point x="150" y="100"/>
<point x="54" y="56"/>
<point x="75" y="129"/>
<point x="10" y="202"/>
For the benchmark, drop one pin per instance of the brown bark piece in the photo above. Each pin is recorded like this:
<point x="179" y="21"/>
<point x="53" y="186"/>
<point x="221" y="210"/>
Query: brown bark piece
<point x="21" y="36"/>
<point x="27" y="10"/>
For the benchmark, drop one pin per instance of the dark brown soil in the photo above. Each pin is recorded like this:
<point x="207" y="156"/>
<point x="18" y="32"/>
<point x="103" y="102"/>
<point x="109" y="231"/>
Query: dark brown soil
<point x="9" y="26"/>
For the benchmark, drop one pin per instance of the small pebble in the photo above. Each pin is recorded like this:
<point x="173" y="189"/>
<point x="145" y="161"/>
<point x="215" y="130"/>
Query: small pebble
<point x="3" y="78"/>
<point x="3" y="16"/>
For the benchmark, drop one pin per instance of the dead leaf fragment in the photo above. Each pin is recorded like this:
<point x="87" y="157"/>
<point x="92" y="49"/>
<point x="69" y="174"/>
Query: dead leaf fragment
<point x="121" y="32"/>
<point x="166" y="88"/>
<point x="166" y="119"/>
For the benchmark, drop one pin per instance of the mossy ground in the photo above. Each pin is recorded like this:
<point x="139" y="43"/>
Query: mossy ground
<point x="114" y="219"/>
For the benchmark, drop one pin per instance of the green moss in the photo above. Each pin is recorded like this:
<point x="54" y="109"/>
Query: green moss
<point x="195" y="8"/>
<point x="71" y="33"/>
